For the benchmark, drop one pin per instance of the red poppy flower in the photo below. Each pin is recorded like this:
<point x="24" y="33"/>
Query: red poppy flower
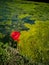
<point x="15" y="35"/>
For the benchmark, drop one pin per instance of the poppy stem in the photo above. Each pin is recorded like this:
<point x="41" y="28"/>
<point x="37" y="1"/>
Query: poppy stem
<point x="15" y="44"/>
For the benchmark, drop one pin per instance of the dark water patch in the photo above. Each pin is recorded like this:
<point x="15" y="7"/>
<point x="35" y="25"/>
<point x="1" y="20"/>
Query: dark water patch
<point x="26" y="20"/>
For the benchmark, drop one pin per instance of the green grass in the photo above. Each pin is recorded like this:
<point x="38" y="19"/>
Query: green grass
<point x="34" y="43"/>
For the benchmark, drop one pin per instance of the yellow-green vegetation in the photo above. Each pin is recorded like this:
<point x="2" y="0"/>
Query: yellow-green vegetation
<point x="34" y="43"/>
